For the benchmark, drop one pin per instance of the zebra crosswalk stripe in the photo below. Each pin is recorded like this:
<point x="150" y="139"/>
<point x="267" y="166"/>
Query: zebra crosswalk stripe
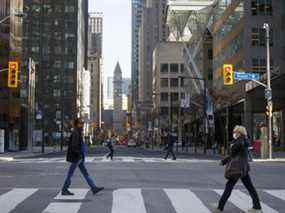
<point x="185" y="201"/>
<point x="243" y="201"/>
<point x="11" y="199"/>
<point x="128" y="200"/>
<point x="277" y="193"/>
<point x="62" y="208"/>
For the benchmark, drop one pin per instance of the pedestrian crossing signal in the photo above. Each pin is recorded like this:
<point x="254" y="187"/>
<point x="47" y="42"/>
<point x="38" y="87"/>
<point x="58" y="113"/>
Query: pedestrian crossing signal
<point x="228" y="74"/>
<point x="269" y="109"/>
<point x="13" y="74"/>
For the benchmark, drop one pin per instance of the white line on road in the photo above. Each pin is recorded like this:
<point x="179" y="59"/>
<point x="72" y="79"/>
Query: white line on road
<point x="62" y="208"/>
<point x="11" y="199"/>
<point x="79" y="194"/>
<point x="243" y="201"/>
<point x="277" y="193"/>
<point x="185" y="201"/>
<point x="128" y="201"/>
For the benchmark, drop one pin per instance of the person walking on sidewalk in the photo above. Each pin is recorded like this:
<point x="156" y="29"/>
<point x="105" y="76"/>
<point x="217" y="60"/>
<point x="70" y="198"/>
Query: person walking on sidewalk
<point x="76" y="153"/>
<point x="237" y="167"/>
<point x="169" y="148"/>
<point x="111" y="148"/>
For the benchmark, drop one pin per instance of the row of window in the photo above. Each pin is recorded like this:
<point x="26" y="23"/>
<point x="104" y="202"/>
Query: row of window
<point x="259" y="64"/>
<point x="36" y="8"/>
<point x="258" y="37"/>
<point x="261" y="7"/>
<point x="173" y="82"/>
<point x="164" y="96"/>
<point x="172" y="68"/>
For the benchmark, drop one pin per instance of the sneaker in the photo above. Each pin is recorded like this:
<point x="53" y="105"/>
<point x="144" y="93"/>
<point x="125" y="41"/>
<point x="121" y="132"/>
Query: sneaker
<point x="254" y="210"/>
<point x="216" y="209"/>
<point x="173" y="158"/>
<point x="66" y="192"/>
<point x="96" y="190"/>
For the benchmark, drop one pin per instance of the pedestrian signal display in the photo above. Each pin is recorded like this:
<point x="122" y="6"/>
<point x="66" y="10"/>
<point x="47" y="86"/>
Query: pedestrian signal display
<point x="13" y="74"/>
<point x="228" y="74"/>
<point x="269" y="108"/>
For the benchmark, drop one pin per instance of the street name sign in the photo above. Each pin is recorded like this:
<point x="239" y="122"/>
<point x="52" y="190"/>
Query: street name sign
<point x="246" y="76"/>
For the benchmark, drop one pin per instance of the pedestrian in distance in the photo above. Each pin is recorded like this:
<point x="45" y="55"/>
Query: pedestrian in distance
<point x="76" y="153"/>
<point x="237" y="167"/>
<point x="111" y="148"/>
<point x="169" y="147"/>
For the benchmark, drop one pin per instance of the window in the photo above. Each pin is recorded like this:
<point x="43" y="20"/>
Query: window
<point x="164" y="82"/>
<point x="57" y="64"/>
<point x="56" y="93"/>
<point x="182" y="68"/>
<point x="164" y="68"/>
<point x="174" y="82"/>
<point x="258" y="37"/>
<point x="174" y="96"/>
<point x="174" y="68"/>
<point x="259" y="64"/>
<point x="164" y="96"/>
<point x="261" y="7"/>
<point x="69" y="9"/>
<point x="163" y="110"/>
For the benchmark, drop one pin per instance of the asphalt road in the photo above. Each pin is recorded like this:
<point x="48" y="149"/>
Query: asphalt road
<point x="137" y="181"/>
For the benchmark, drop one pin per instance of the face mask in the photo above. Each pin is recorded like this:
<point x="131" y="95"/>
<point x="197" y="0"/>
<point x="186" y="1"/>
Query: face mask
<point x="235" y="136"/>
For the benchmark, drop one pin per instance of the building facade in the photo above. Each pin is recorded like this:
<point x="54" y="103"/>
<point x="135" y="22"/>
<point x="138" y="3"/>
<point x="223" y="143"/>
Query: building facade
<point x="95" y="66"/>
<point x="55" y="37"/>
<point x="168" y="87"/>
<point x="118" y="118"/>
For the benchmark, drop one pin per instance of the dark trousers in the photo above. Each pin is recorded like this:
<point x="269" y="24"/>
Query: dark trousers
<point x="84" y="172"/>
<point x="246" y="180"/>
<point x="111" y="153"/>
<point x="170" y="151"/>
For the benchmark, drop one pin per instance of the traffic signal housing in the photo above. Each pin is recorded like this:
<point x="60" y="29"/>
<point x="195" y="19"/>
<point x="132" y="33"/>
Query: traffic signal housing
<point x="228" y="72"/>
<point x="13" y="74"/>
<point x="269" y="109"/>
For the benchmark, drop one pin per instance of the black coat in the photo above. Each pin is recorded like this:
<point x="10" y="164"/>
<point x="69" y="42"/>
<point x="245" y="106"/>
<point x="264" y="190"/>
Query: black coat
<point x="74" y="147"/>
<point x="239" y="148"/>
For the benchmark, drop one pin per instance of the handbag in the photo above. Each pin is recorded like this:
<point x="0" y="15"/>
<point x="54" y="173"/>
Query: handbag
<point x="233" y="168"/>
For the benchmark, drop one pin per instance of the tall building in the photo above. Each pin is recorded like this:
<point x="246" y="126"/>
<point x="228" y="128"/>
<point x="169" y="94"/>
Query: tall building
<point x="137" y="6"/>
<point x="55" y="37"/>
<point x="118" y="122"/>
<point x="152" y="30"/>
<point x="95" y="35"/>
<point x="126" y="82"/>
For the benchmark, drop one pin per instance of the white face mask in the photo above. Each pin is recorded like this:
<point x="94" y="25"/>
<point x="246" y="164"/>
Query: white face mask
<point x="235" y="136"/>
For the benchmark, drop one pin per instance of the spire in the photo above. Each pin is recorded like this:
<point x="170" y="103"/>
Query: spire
<point x="118" y="68"/>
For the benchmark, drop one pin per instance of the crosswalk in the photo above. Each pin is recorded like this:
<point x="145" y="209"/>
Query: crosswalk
<point x="115" y="160"/>
<point x="133" y="200"/>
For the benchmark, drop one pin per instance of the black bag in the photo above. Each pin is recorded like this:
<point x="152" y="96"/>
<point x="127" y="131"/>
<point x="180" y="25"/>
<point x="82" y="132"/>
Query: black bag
<point x="233" y="168"/>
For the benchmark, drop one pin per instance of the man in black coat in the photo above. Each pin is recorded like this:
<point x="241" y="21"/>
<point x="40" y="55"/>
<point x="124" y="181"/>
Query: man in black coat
<point x="171" y="141"/>
<point x="76" y="156"/>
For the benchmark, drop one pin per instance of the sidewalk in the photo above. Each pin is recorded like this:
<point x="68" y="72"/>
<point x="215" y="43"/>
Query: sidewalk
<point x="10" y="156"/>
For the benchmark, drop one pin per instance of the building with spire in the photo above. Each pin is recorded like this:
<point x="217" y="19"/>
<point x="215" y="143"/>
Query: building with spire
<point x="118" y="119"/>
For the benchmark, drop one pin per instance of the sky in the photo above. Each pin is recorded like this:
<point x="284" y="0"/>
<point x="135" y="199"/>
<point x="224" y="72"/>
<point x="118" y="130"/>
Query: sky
<point x="116" y="34"/>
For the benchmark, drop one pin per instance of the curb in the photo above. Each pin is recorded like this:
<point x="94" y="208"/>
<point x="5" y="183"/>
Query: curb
<point x="269" y="160"/>
<point x="6" y="158"/>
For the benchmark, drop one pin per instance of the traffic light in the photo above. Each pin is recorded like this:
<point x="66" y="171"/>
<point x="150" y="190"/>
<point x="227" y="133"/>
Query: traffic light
<point x="269" y="109"/>
<point x="228" y="74"/>
<point x="13" y="74"/>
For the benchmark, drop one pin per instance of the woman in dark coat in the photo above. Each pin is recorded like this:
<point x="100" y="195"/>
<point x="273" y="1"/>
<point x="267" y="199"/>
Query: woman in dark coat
<point x="239" y="152"/>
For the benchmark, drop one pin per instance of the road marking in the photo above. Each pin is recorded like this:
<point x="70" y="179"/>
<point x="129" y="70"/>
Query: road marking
<point x="89" y="159"/>
<point x="62" y="208"/>
<point x="277" y="193"/>
<point x="79" y="194"/>
<point x="185" y="201"/>
<point x="128" y="160"/>
<point x="243" y="201"/>
<point x="128" y="201"/>
<point x="11" y="199"/>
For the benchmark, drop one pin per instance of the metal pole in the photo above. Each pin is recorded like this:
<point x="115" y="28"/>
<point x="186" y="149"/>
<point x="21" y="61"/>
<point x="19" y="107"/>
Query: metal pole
<point x="269" y="98"/>
<point x="205" y="117"/>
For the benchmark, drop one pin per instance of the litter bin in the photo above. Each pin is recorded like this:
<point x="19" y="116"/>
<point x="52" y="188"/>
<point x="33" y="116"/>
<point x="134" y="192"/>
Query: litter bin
<point x="2" y="140"/>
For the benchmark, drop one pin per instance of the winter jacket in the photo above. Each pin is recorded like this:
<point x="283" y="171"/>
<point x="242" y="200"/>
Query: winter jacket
<point x="76" y="149"/>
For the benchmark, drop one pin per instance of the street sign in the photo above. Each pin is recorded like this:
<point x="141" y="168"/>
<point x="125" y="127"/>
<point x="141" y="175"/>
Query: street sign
<point x="246" y="76"/>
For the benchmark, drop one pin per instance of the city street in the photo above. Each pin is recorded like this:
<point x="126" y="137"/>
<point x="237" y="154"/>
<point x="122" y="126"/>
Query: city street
<point x="137" y="181"/>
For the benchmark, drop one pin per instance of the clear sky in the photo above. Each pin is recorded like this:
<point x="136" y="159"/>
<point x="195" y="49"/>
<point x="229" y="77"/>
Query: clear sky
<point x="116" y="34"/>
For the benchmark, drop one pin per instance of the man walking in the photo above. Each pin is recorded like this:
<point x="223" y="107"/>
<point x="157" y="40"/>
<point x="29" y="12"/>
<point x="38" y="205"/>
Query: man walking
<point x="76" y="156"/>
<point x="169" y="147"/>
<point x="111" y="148"/>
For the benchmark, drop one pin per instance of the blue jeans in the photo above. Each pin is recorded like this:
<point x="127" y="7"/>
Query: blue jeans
<point x="83" y="170"/>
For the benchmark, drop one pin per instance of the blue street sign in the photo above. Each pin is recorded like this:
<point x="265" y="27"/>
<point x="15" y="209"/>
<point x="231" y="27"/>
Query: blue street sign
<point x="246" y="76"/>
